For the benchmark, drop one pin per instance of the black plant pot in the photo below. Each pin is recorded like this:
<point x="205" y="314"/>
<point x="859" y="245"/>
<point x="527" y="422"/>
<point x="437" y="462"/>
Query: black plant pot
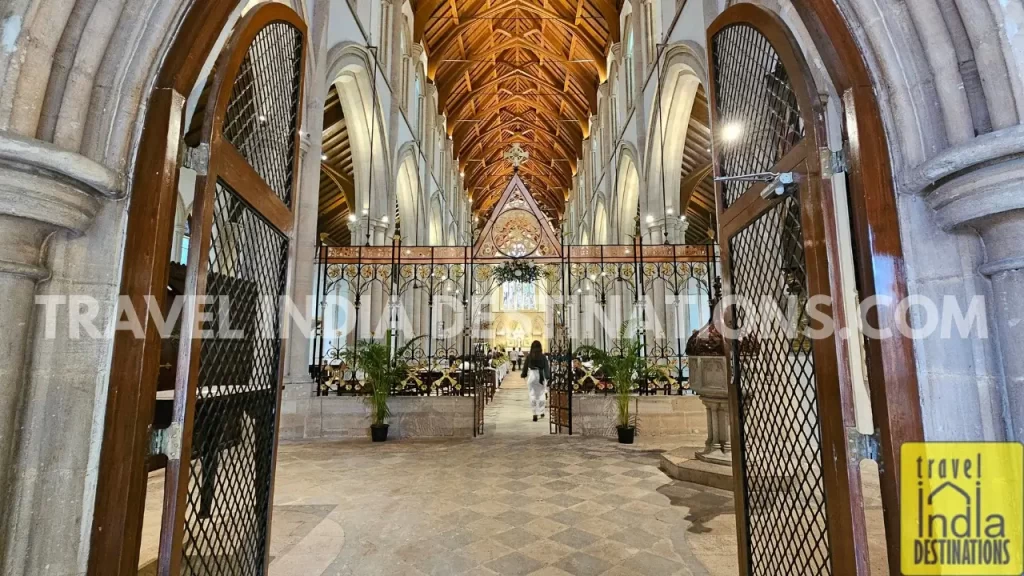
<point x="626" y="434"/>
<point x="379" y="432"/>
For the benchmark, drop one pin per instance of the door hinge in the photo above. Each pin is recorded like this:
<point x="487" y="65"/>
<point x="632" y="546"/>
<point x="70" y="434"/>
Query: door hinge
<point x="833" y="162"/>
<point x="863" y="446"/>
<point x="166" y="441"/>
<point x="197" y="158"/>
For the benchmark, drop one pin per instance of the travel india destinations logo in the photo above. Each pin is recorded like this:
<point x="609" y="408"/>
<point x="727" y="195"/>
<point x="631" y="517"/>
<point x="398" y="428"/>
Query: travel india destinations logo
<point x="962" y="508"/>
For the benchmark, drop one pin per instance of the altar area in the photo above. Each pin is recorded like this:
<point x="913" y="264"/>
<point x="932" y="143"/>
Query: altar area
<point x="522" y="311"/>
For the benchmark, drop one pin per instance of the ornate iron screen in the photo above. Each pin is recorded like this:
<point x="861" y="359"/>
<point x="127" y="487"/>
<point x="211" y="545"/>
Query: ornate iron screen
<point x="773" y="262"/>
<point x="226" y="402"/>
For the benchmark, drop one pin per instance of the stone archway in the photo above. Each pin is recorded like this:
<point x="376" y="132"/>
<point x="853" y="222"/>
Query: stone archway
<point x="408" y="194"/>
<point x="627" y="197"/>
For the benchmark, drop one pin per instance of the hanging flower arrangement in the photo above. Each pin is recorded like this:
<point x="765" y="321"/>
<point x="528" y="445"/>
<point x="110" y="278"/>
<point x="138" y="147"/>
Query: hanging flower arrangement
<point x="517" y="271"/>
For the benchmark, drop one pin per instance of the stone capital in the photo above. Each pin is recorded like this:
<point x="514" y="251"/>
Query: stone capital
<point x="989" y="200"/>
<point x="616" y="50"/>
<point x="44" y="189"/>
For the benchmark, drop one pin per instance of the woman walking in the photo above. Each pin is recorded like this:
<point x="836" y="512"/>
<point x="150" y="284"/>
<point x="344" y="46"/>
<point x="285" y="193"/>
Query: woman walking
<point x="537" y="374"/>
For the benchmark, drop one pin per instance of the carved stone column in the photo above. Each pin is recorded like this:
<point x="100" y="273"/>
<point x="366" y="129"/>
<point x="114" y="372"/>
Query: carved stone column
<point x="658" y="332"/>
<point x="45" y="192"/>
<point x="990" y="200"/>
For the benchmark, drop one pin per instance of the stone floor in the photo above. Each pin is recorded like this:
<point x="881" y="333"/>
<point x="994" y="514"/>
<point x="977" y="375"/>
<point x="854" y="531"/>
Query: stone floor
<point x="518" y="501"/>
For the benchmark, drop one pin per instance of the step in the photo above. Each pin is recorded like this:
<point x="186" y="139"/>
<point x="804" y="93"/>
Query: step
<point x="682" y="464"/>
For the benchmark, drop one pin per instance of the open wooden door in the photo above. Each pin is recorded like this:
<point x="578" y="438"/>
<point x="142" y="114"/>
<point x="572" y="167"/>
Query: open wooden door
<point x="798" y="493"/>
<point x="222" y="444"/>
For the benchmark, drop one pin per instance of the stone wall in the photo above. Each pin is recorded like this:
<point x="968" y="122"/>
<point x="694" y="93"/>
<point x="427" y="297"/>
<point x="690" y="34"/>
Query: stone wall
<point x="594" y="415"/>
<point x="342" y="417"/>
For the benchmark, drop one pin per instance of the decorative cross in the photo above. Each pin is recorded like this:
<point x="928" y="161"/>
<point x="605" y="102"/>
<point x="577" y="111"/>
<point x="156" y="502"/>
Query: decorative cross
<point x="516" y="155"/>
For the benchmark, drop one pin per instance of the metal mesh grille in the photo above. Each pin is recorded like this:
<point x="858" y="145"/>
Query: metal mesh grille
<point x="780" y="431"/>
<point x="236" y="398"/>
<point x="755" y="104"/>
<point x="262" y="113"/>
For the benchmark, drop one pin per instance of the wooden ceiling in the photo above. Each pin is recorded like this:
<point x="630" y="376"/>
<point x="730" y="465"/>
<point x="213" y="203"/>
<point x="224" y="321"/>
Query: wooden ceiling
<point x="523" y="71"/>
<point x="697" y="185"/>
<point x="337" y="187"/>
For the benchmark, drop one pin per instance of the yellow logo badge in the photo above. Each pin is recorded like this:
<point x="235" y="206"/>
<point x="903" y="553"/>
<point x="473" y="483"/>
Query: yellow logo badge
<point x="962" y="508"/>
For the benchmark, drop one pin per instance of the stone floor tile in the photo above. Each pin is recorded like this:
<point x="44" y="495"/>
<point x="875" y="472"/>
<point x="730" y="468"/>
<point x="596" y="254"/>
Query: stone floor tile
<point x="570" y="517"/>
<point x="516" y="517"/>
<point x="547" y="551"/>
<point x="599" y="526"/>
<point x="448" y="564"/>
<point x="514" y="564"/>
<point x="544" y="527"/>
<point x="540" y="508"/>
<point x="550" y="571"/>
<point x="515" y="538"/>
<point x="575" y="538"/>
<point x="649" y="564"/>
<point x="591" y="508"/>
<point x="565" y="500"/>
<point x="635" y="538"/>
<point x="611" y="551"/>
<point x="490" y="508"/>
<point x="582" y="564"/>
<point x="457" y="538"/>
<point x="483" y="551"/>
<point x="488" y="526"/>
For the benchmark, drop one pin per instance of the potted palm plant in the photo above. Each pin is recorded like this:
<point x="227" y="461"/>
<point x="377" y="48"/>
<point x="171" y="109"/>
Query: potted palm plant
<point x="384" y="370"/>
<point x="623" y="367"/>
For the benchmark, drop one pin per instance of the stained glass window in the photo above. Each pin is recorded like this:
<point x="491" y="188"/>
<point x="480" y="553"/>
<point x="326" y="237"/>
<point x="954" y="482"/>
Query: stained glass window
<point x="519" y="296"/>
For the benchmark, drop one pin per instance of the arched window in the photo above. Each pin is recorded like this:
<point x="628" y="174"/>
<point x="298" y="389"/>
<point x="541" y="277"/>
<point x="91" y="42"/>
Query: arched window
<point x="519" y="296"/>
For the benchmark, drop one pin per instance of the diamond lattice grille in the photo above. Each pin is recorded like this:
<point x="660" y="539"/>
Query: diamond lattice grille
<point x="236" y="397"/>
<point x="262" y="114"/>
<point x="779" y="426"/>
<point x="758" y="116"/>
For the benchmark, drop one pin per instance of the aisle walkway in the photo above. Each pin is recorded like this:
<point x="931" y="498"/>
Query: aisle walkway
<point x="518" y="501"/>
<point x="509" y="413"/>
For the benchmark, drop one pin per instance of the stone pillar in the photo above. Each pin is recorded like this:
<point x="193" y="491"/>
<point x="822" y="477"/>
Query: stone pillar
<point x="303" y="251"/>
<point x="48" y="197"/>
<point x="656" y="300"/>
<point x="990" y="200"/>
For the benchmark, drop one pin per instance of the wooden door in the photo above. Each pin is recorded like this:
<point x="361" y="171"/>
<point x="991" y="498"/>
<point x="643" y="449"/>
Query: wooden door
<point x="797" y="490"/>
<point x="244" y="144"/>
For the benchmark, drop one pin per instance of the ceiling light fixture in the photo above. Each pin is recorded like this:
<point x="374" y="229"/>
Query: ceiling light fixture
<point x="732" y="131"/>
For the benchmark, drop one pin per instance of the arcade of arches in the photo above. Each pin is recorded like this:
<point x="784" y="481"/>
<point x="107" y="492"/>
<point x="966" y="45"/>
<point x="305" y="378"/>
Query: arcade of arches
<point x="214" y="214"/>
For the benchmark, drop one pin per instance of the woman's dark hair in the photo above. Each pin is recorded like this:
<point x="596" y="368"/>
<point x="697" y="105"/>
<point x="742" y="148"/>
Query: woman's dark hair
<point x="536" y="356"/>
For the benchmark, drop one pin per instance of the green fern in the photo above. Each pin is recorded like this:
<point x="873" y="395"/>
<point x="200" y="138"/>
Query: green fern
<point x="623" y="368"/>
<point x="384" y="371"/>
